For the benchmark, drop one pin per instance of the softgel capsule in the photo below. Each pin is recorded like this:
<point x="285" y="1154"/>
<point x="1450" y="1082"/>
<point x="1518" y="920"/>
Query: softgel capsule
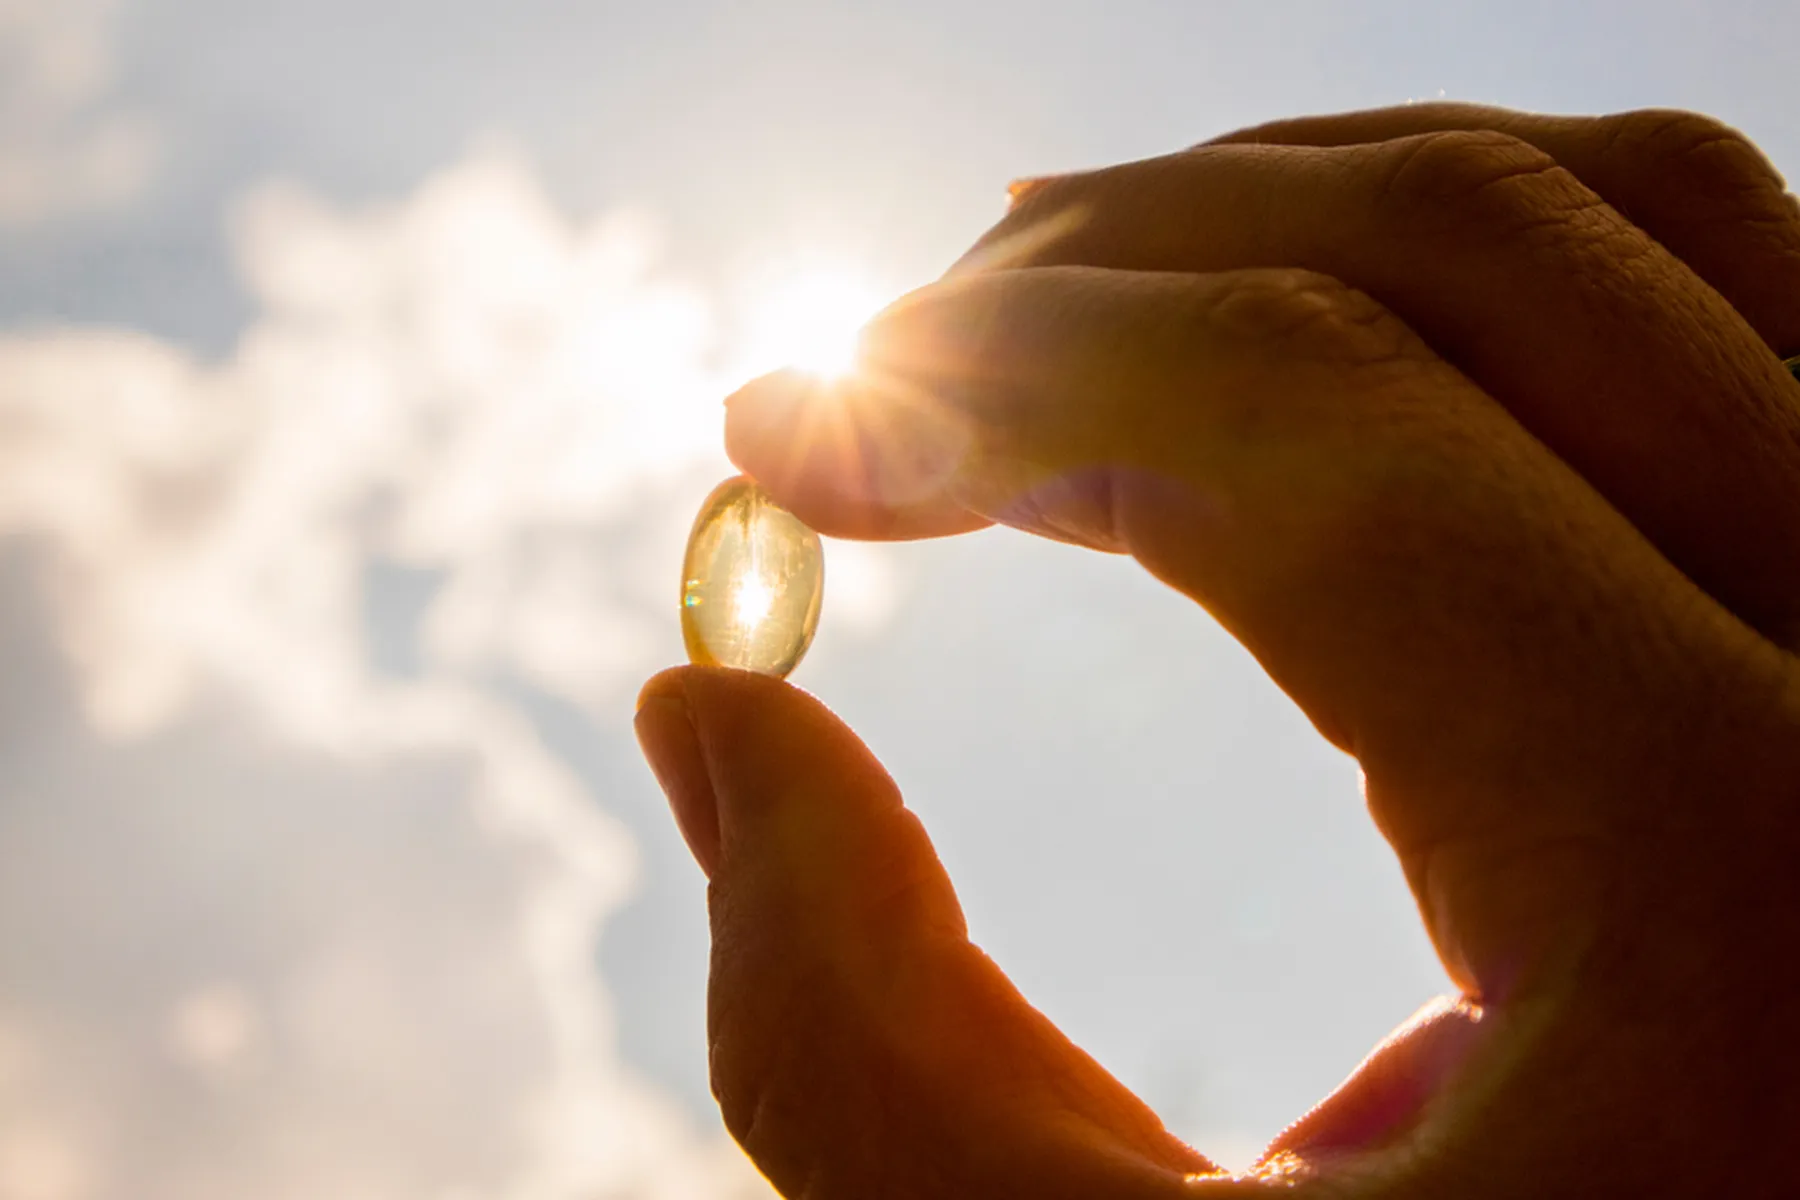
<point x="752" y="582"/>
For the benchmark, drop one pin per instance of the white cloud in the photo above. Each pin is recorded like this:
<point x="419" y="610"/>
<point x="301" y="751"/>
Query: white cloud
<point x="469" y="385"/>
<point x="214" y="1028"/>
<point x="66" y="144"/>
<point x="462" y="383"/>
<point x="37" y="1163"/>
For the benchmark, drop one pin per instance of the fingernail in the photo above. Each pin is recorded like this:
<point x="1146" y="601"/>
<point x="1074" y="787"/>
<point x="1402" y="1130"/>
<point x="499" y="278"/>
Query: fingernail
<point x="671" y="744"/>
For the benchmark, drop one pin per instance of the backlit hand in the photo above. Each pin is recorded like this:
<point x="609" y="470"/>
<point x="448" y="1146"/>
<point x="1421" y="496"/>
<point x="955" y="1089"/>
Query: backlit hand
<point x="1472" y="427"/>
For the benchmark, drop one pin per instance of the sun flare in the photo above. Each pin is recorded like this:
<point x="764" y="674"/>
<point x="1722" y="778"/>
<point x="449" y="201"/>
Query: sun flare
<point x="809" y="318"/>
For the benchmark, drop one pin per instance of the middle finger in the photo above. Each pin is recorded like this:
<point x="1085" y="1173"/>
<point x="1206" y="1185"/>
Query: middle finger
<point x="1696" y="185"/>
<point x="1602" y="343"/>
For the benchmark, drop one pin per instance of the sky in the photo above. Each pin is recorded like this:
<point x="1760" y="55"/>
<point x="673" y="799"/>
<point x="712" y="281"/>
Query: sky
<point x="360" y="368"/>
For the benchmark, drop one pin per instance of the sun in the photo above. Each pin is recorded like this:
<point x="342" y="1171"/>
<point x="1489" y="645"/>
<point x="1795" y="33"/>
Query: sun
<point x="808" y="317"/>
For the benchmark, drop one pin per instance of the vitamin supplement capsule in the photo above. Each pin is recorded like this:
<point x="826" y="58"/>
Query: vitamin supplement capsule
<point x="752" y="582"/>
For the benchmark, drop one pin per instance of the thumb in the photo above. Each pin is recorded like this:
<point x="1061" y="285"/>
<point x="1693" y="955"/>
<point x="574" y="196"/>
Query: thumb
<point x="860" y="1044"/>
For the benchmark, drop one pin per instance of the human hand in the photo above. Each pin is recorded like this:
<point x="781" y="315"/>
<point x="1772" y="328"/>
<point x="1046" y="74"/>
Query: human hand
<point x="1471" y="426"/>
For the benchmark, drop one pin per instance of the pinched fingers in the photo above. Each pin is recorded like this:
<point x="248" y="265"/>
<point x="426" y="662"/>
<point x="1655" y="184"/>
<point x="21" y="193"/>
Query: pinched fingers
<point x="1574" y="750"/>
<point x="1610" y="348"/>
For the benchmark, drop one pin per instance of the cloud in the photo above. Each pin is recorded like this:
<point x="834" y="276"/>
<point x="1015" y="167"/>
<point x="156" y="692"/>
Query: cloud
<point x="391" y="994"/>
<point x="463" y="384"/>
<point x="66" y="144"/>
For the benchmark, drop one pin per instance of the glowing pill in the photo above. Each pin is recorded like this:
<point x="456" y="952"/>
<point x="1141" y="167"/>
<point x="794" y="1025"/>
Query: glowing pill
<point x="752" y="583"/>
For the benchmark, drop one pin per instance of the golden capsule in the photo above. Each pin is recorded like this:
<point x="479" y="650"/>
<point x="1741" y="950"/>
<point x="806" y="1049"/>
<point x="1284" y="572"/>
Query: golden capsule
<point x="752" y="582"/>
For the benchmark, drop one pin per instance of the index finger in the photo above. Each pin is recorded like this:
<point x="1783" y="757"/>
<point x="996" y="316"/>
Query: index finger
<point x="850" y="460"/>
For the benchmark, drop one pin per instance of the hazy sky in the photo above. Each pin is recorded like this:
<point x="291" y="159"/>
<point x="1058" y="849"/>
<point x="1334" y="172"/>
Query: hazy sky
<point x="359" y="374"/>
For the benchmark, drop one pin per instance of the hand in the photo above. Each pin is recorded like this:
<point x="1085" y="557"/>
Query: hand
<point x="1472" y="426"/>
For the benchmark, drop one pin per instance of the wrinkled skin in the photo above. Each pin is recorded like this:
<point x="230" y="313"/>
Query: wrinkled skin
<point x="1473" y="427"/>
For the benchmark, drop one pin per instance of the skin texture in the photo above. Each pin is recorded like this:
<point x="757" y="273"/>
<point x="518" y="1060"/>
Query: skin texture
<point x="1472" y="426"/>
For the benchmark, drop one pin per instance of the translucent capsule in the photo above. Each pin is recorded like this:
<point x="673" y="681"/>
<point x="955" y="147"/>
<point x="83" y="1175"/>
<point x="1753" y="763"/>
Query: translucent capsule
<point x="752" y="582"/>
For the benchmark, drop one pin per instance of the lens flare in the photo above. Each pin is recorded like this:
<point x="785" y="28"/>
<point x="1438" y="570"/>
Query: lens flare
<point x="809" y="318"/>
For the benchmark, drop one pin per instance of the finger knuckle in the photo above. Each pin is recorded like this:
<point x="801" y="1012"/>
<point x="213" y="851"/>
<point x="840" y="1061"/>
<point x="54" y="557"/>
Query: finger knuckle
<point x="1295" y="312"/>
<point x="1485" y="186"/>
<point x="1688" y="153"/>
<point x="1371" y="411"/>
<point x="1457" y="167"/>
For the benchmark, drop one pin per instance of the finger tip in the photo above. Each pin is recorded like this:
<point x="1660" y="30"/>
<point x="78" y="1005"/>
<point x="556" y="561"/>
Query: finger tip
<point x="711" y="686"/>
<point x="832" y="452"/>
<point x="717" y="738"/>
<point x="671" y="743"/>
<point x="706" y="690"/>
<point x="811" y="470"/>
<point x="768" y="407"/>
<point x="666" y="684"/>
<point x="780" y="431"/>
<point x="765" y="725"/>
